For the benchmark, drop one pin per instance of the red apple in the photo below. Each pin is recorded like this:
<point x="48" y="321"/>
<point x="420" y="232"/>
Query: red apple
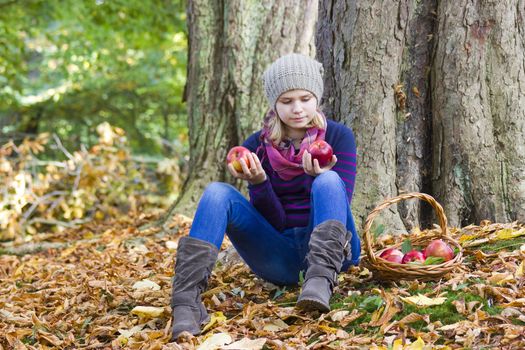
<point x="321" y="151"/>
<point x="439" y="249"/>
<point x="393" y="255"/>
<point x="235" y="155"/>
<point x="413" y="255"/>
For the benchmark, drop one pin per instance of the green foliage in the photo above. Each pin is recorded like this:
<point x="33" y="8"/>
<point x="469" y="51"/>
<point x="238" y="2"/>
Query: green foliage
<point x="367" y="302"/>
<point x="371" y="303"/>
<point x="433" y="260"/>
<point x="66" y="66"/>
<point x="377" y="230"/>
<point x="406" y="246"/>
<point x="503" y="245"/>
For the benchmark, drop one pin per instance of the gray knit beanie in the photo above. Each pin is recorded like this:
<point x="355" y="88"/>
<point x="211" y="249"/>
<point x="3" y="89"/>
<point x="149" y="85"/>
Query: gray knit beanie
<point x="290" y="72"/>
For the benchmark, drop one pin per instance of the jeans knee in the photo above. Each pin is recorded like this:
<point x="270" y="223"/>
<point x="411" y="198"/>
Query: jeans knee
<point x="327" y="180"/>
<point x="219" y="192"/>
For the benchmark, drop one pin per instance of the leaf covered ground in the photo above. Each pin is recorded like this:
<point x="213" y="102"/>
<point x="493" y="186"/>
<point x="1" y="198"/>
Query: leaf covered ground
<point x="110" y="288"/>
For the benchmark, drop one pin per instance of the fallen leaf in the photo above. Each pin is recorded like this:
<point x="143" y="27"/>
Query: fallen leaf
<point x="327" y="329"/>
<point x="145" y="284"/>
<point x="339" y="315"/>
<point x="520" y="270"/>
<point x="509" y="233"/>
<point x="422" y="300"/>
<point x="500" y="278"/>
<point x="147" y="311"/>
<point x="397" y="345"/>
<point x="511" y="312"/>
<point x="417" y="345"/>
<point x="216" y="341"/>
<point x="216" y="319"/>
<point x="275" y="325"/>
<point x="128" y="333"/>
<point x="172" y="245"/>
<point x="247" y="344"/>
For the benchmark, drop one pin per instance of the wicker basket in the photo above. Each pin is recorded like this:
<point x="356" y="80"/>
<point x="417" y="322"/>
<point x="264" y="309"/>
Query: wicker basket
<point x="387" y="270"/>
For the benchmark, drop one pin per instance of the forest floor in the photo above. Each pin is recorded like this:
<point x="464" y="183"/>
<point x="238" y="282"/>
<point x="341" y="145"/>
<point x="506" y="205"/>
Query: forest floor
<point x="109" y="288"/>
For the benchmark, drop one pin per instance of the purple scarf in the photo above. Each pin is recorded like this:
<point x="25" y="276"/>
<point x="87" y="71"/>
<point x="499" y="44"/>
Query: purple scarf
<point x="282" y="158"/>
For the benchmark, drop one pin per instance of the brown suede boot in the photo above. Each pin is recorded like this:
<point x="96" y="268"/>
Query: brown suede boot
<point x="327" y="250"/>
<point x="195" y="261"/>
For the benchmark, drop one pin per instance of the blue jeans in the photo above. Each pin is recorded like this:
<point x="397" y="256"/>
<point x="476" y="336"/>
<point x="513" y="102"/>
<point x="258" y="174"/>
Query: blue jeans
<point x="275" y="256"/>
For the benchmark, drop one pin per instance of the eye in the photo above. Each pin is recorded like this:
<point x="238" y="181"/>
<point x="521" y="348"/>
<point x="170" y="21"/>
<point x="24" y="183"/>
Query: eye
<point x="306" y="98"/>
<point x="285" y="101"/>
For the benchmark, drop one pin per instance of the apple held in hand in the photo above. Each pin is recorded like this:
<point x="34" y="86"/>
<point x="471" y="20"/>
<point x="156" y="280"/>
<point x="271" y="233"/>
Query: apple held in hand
<point x="392" y="255"/>
<point x="413" y="255"/>
<point x="439" y="249"/>
<point x="235" y="155"/>
<point x="321" y="151"/>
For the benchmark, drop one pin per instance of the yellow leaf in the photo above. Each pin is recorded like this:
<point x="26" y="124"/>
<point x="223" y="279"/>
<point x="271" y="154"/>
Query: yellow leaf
<point x="99" y="215"/>
<point x="520" y="269"/>
<point x="78" y="213"/>
<point x="422" y="300"/>
<point x="327" y="329"/>
<point x="216" y="319"/>
<point x="147" y="311"/>
<point x="216" y="341"/>
<point x="397" y="345"/>
<point x="464" y="238"/>
<point x="19" y="269"/>
<point x="417" y="345"/>
<point x="508" y="233"/>
<point x="68" y="251"/>
<point x="500" y="278"/>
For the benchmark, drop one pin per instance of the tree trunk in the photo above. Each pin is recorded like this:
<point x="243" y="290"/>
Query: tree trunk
<point x="479" y="119"/>
<point x="230" y="45"/>
<point x="362" y="47"/>
<point x="435" y="97"/>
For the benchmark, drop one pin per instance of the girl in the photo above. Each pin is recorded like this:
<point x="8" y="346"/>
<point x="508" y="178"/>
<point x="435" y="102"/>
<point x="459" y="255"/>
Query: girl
<point x="298" y="217"/>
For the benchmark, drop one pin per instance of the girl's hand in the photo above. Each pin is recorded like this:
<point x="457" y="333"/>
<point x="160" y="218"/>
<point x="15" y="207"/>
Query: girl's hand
<point x="312" y="168"/>
<point x="254" y="174"/>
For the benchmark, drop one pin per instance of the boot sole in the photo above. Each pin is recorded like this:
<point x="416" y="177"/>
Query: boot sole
<point x="309" y="305"/>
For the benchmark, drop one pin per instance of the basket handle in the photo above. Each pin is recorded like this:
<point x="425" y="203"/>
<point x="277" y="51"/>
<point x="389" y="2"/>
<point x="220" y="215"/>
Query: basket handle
<point x="423" y="196"/>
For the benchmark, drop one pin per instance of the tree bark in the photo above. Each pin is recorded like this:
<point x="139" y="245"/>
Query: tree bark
<point x="361" y="45"/>
<point x="230" y="45"/>
<point x="478" y="89"/>
<point x="435" y="96"/>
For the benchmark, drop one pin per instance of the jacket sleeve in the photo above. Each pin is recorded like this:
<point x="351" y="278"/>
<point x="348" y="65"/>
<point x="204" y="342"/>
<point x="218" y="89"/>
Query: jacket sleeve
<point x="262" y="196"/>
<point x="345" y="151"/>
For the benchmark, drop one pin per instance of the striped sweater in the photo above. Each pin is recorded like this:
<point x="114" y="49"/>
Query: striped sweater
<point x="286" y="204"/>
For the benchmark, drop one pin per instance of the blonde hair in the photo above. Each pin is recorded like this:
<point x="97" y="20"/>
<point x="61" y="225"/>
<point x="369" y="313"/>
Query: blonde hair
<point x="276" y="127"/>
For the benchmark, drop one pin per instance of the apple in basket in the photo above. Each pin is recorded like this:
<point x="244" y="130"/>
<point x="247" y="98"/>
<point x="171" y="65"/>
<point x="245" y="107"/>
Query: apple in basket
<point x="438" y="248"/>
<point x="392" y="255"/>
<point x="413" y="255"/>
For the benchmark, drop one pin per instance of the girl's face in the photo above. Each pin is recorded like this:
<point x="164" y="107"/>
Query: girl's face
<point x="296" y="109"/>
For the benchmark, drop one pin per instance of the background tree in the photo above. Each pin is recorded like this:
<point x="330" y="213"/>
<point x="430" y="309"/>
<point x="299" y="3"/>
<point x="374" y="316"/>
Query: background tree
<point x="230" y="45"/>
<point x="67" y="66"/>
<point x="433" y="94"/>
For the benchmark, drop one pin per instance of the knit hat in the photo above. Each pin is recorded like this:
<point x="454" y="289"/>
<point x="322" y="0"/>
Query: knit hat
<point x="290" y="72"/>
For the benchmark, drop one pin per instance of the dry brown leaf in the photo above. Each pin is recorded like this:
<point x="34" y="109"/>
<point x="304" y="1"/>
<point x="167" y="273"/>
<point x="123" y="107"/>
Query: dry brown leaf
<point x="246" y="344"/>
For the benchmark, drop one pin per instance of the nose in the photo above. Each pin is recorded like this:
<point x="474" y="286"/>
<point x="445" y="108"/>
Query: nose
<point x="297" y="107"/>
